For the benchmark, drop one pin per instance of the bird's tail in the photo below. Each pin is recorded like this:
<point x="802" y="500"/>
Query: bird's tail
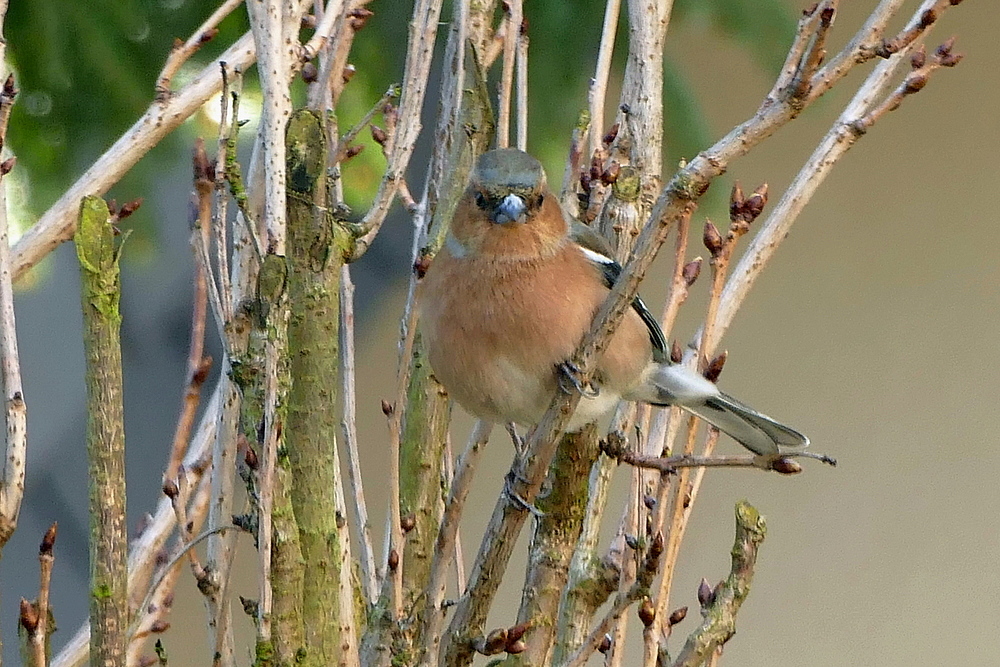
<point x="675" y="384"/>
<point x="754" y="430"/>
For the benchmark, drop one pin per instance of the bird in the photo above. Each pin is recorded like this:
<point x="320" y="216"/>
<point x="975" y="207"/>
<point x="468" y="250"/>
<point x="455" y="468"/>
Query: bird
<point x="506" y="301"/>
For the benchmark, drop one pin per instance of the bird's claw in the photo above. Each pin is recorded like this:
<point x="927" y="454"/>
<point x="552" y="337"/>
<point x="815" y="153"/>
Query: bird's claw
<point x="508" y="489"/>
<point x="570" y="381"/>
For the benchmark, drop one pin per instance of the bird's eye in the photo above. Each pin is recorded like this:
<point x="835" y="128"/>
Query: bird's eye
<point x="481" y="200"/>
<point x="538" y="203"/>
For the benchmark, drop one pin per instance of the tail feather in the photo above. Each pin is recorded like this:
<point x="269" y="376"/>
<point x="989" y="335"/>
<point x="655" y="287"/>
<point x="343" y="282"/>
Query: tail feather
<point x="755" y="431"/>
<point x="676" y="384"/>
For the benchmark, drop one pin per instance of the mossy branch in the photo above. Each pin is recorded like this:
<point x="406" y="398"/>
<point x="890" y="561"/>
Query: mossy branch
<point x="421" y="457"/>
<point x="317" y="245"/>
<point x="99" y="252"/>
<point x="720" y="616"/>
<point x="557" y="532"/>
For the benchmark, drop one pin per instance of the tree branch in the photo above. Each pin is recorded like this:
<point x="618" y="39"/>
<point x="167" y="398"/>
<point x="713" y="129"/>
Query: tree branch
<point x="99" y="254"/>
<point x="15" y="411"/>
<point x="720" y="616"/>
<point x="58" y="223"/>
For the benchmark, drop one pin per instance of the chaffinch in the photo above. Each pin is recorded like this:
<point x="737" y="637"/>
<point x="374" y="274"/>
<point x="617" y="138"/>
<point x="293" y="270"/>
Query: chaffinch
<point x="509" y="297"/>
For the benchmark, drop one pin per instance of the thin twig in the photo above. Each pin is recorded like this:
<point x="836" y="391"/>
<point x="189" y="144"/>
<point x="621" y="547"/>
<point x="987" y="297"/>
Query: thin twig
<point x="58" y="223"/>
<point x="671" y="464"/>
<point x="267" y="24"/>
<point x="182" y="51"/>
<point x="513" y="20"/>
<point x="804" y="32"/>
<point x="644" y="577"/>
<point x="183" y="552"/>
<point x="870" y="43"/>
<point x="369" y="584"/>
<point x="720" y="616"/>
<point x="597" y="95"/>
<point x="146" y="548"/>
<point x="449" y="472"/>
<point x="628" y="527"/>
<point x="152" y="617"/>
<point x="249" y="213"/>
<point x="265" y="532"/>
<point x="394" y="575"/>
<point x="46" y="561"/>
<point x="446" y="546"/>
<point x="596" y="636"/>
<point x="220" y="219"/>
<point x="348" y="648"/>
<point x="197" y="365"/>
<point x="341" y="149"/>
<point x="422" y="34"/>
<point x="15" y="410"/>
<point x="331" y="77"/>
<point x="324" y="29"/>
<point x="522" y="85"/>
<point x="814" y="51"/>
<point x="837" y="141"/>
<point x="571" y="175"/>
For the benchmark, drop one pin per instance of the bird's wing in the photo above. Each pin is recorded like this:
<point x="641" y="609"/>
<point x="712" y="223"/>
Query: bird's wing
<point x="596" y="249"/>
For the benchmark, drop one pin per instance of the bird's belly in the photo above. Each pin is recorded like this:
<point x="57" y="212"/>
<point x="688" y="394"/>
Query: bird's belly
<point x="495" y="339"/>
<point x="496" y="389"/>
<point x="505" y="392"/>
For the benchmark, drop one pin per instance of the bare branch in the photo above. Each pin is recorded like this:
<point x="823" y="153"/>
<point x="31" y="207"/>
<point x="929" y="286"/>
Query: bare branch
<point x="720" y="617"/>
<point x="838" y="140"/>
<point x="146" y="548"/>
<point x="267" y="21"/>
<point x="514" y="19"/>
<point x="220" y="220"/>
<point x="58" y="223"/>
<point x="99" y="253"/>
<point x="644" y="577"/>
<point x="522" y="85"/>
<point x="423" y="31"/>
<point x="15" y="411"/>
<point x="444" y="548"/>
<point x="340" y="151"/>
<point x="182" y="51"/>
<point x="369" y="584"/>
<point x="596" y="96"/>
<point x="46" y="561"/>
<point x="324" y="30"/>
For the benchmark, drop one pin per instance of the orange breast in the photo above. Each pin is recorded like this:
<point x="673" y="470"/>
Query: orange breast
<point x="496" y="331"/>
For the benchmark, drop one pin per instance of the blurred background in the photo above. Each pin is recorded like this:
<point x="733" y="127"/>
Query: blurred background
<point x="873" y="330"/>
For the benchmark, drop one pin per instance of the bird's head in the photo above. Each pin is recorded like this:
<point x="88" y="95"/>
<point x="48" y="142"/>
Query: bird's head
<point x="508" y="208"/>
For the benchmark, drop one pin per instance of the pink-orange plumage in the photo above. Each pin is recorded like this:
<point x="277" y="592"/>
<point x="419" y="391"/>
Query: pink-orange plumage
<point x="509" y="297"/>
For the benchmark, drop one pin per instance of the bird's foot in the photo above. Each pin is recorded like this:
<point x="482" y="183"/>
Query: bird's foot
<point x="508" y="489"/>
<point x="570" y="380"/>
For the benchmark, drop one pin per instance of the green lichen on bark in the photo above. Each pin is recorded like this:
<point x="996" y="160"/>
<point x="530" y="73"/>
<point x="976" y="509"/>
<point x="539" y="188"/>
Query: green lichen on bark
<point x="719" y="623"/>
<point x="317" y="246"/>
<point x="99" y="252"/>
<point x="421" y="455"/>
<point x="557" y="531"/>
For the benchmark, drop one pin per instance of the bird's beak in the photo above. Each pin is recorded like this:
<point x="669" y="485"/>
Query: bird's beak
<point x="510" y="209"/>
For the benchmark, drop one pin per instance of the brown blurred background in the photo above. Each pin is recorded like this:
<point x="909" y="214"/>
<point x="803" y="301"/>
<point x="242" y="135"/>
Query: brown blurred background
<point x="873" y="331"/>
